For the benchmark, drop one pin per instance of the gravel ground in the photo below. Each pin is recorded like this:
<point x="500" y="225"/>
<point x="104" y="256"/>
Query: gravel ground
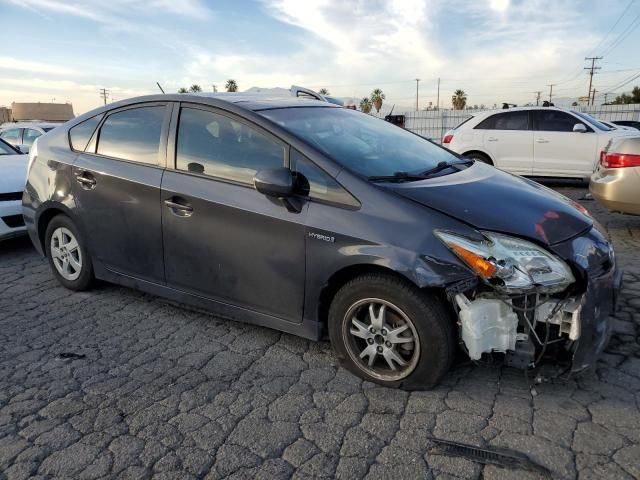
<point x="165" y="392"/>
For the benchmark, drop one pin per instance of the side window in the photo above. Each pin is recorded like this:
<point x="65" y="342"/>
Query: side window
<point x="317" y="184"/>
<point x="12" y="136"/>
<point x="512" y="121"/>
<point x="80" y="135"/>
<point x="556" y="121"/>
<point x="29" y="136"/>
<point x="132" y="134"/>
<point x="213" y="144"/>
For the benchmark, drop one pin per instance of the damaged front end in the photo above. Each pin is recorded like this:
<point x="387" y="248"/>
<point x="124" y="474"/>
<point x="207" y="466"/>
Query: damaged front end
<point x="532" y="304"/>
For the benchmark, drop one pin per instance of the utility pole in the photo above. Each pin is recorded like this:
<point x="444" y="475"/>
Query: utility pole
<point x="605" y="98"/>
<point x="215" y="88"/>
<point x="538" y="93"/>
<point x="104" y="94"/>
<point x="417" y="81"/>
<point x="438" y="98"/>
<point x="551" y="85"/>
<point x="592" y="70"/>
<point x="593" y="98"/>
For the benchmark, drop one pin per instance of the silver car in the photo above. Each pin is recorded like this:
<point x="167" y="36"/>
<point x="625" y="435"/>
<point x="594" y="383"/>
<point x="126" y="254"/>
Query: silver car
<point x="616" y="181"/>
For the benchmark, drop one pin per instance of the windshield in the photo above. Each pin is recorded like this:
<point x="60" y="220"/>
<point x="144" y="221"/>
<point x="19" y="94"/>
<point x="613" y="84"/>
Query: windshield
<point x="5" y="149"/>
<point x="362" y="143"/>
<point x="593" y="121"/>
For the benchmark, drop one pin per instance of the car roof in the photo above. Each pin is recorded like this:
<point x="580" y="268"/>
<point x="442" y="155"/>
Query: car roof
<point x="255" y="102"/>
<point x="30" y="124"/>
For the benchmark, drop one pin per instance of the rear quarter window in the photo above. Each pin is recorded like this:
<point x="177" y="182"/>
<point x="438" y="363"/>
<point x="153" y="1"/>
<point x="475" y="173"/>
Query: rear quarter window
<point x="80" y="135"/>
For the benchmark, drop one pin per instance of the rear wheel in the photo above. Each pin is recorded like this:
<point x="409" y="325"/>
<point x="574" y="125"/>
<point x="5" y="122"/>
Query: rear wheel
<point x="68" y="257"/>
<point x="389" y="332"/>
<point x="478" y="157"/>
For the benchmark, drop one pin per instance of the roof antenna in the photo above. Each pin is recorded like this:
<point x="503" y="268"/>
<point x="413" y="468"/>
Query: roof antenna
<point x="158" y="83"/>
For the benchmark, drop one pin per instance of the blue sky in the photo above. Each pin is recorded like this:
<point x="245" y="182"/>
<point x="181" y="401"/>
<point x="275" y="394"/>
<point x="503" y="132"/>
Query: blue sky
<point x="495" y="50"/>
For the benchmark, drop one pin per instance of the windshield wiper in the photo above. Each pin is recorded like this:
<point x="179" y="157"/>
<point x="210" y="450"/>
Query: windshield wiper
<point x="397" y="177"/>
<point x="442" y="166"/>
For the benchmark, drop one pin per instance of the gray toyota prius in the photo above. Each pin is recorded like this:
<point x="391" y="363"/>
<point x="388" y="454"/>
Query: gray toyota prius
<point x="317" y="220"/>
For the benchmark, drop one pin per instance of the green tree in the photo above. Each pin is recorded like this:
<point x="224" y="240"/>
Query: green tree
<point x="183" y="90"/>
<point x="195" y="88"/>
<point x="365" y="105"/>
<point x="231" y="85"/>
<point x="459" y="100"/>
<point x="376" y="99"/>
<point x="626" y="98"/>
<point x="324" y="91"/>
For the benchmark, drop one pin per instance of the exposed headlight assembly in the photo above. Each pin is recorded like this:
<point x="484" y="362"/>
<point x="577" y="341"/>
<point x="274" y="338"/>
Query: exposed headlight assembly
<point x="510" y="264"/>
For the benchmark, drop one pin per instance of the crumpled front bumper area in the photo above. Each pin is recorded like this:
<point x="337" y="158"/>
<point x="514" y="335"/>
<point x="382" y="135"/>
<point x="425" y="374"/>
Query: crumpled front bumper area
<point x="595" y="318"/>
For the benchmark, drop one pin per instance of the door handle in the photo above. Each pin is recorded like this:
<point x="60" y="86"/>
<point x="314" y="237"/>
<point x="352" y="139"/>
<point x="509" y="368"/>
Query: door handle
<point x="492" y="139"/>
<point x="180" y="209"/>
<point x="541" y="140"/>
<point x="86" y="180"/>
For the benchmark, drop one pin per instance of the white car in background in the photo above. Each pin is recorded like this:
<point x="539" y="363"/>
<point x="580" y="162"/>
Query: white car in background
<point x="22" y="134"/>
<point x="13" y="175"/>
<point x="534" y="141"/>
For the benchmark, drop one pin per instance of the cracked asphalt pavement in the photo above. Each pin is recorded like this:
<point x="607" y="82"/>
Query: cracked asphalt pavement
<point x="165" y="392"/>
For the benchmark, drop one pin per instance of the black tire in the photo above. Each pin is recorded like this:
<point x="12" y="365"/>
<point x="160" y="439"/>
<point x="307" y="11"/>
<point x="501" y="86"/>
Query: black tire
<point x="478" y="157"/>
<point x="432" y="321"/>
<point x="85" y="277"/>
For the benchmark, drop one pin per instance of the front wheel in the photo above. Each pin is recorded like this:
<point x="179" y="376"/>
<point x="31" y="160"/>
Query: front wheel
<point x="67" y="254"/>
<point x="387" y="331"/>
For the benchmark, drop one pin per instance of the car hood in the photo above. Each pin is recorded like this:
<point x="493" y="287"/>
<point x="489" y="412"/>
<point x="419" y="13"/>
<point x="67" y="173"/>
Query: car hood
<point x="490" y="199"/>
<point x="13" y="173"/>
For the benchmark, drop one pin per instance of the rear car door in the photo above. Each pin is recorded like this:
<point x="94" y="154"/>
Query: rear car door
<point x="117" y="189"/>
<point x="223" y="239"/>
<point x="558" y="150"/>
<point x="509" y="140"/>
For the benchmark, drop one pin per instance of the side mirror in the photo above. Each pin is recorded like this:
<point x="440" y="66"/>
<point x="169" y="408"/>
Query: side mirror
<point x="274" y="182"/>
<point x="579" y="128"/>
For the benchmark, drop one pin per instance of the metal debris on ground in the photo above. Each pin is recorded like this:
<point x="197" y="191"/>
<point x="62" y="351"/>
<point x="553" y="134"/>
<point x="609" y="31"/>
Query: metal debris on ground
<point x="494" y="456"/>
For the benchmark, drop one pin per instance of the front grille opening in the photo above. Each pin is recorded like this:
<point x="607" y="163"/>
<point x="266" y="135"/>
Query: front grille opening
<point x="13" y="221"/>
<point x="11" y="196"/>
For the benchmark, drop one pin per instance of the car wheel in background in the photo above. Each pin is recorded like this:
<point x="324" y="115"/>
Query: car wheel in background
<point x="67" y="254"/>
<point x="478" y="157"/>
<point x="387" y="331"/>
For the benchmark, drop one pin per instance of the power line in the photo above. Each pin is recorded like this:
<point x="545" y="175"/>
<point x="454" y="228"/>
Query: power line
<point x="623" y="35"/>
<point x="613" y="26"/>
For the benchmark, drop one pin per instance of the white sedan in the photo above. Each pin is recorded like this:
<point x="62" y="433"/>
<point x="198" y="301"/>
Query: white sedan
<point x="536" y="141"/>
<point x="13" y="173"/>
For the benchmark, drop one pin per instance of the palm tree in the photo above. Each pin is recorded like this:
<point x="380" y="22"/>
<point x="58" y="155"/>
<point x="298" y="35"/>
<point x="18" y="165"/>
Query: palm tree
<point x="365" y="105"/>
<point x="231" y="86"/>
<point x="459" y="100"/>
<point x="323" y="91"/>
<point x="183" y="90"/>
<point x="376" y="98"/>
<point x="195" y="88"/>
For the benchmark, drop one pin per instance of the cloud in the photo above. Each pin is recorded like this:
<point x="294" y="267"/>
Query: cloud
<point x="10" y="63"/>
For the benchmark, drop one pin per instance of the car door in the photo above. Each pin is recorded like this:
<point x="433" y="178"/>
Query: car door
<point x="558" y="150"/>
<point x="117" y="188"/>
<point x="222" y="239"/>
<point x="509" y="140"/>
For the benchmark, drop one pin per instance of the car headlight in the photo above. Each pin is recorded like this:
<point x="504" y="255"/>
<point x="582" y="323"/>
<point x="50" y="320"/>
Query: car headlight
<point x="510" y="264"/>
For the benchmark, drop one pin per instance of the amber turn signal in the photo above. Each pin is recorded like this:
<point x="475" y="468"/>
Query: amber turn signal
<point x="478" y="264"/>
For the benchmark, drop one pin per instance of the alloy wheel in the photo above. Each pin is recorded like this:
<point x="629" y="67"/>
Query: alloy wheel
<point x="66" y="253"/>
<point x="381" y="339"/>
